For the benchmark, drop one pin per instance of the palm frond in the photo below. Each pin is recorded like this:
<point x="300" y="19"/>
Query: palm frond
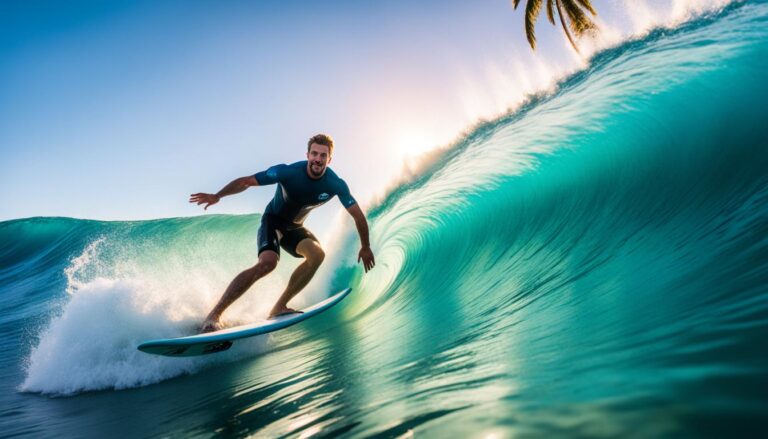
<point x="550" y="13"/>
<point x="579" y="21"/>
<point x="565" y="26"/>
<point x="588" y="6"/>
<point x="532" y="8"/>
<point x="572" y="14"/>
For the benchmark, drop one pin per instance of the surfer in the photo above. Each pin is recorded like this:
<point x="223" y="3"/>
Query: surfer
<point x="301" y="187"/>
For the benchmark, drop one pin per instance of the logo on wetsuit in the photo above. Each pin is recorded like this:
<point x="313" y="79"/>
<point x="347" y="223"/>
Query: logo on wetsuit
<point x="323" y="196"/>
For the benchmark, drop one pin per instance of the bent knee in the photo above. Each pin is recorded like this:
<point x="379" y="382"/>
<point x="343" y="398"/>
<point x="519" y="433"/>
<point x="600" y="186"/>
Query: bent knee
<point x="316" y="257"/>
<point x="266" y="265"/>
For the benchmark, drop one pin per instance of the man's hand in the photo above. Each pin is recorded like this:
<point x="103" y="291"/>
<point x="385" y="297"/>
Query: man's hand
<point x="235" y="186"/>
<point x="207" y="199"/>
<point x="367" y="256"/>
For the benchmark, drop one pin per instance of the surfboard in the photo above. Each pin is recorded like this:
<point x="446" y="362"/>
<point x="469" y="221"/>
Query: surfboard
<point x="221" y="340"/>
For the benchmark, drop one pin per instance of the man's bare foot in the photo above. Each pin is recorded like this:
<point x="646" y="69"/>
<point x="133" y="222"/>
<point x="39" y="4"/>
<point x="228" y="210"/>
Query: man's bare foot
<point x="210" y="326"/>
<point x="281" y="311"/>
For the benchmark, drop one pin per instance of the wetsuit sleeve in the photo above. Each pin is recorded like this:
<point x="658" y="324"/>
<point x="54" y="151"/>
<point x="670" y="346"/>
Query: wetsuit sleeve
<point x="344" y="196"/>
<point x="273" y="175"/>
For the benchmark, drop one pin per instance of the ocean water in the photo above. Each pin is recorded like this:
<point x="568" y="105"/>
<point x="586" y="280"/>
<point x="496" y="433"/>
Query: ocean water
<point x="592" y="264"/>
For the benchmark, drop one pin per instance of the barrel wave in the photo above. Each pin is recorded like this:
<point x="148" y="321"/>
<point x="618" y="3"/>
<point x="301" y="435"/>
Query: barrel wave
<point x="592" y="264"/>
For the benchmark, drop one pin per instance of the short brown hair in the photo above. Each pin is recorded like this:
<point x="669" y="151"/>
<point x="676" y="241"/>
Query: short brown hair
<point x="321" y="139"/>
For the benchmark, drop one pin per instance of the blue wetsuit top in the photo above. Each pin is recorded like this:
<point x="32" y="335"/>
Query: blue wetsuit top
<point x="297" y="193"/>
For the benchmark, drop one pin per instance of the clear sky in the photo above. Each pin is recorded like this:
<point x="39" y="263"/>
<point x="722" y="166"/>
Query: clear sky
<point x="120" y="110"/>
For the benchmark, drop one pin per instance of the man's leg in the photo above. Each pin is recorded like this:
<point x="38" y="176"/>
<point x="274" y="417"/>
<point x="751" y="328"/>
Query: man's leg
<point x="239" y="285"/>
<point x="313" y="256"/>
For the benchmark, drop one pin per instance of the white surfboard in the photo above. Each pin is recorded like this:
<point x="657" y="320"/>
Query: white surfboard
<point x="218" y="341"/>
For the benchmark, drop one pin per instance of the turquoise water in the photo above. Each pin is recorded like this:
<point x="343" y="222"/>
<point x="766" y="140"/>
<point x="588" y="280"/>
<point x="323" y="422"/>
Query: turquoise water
<point x="593" y="264"/>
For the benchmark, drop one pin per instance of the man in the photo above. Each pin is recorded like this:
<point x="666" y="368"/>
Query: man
<point x="301" y="187"/>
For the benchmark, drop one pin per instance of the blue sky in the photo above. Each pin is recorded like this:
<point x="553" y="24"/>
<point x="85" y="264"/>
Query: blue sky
<point x="120" y="110"/>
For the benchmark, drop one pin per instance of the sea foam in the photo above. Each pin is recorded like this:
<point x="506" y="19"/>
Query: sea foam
<point x="123" y="290"/>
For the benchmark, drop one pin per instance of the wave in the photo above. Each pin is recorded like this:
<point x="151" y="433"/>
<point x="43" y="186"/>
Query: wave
<point x="110" y="285"/>
<point x="673" y="124"/>
<point x="619" y="218"/>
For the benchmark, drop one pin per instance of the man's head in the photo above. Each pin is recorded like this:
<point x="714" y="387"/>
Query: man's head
<point x="319" y="150"/>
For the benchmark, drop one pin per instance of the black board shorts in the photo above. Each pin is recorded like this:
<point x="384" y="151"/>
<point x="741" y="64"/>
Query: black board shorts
<point x="276" y="232"/>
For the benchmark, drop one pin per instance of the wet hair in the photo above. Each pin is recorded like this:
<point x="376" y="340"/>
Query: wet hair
<point x="321" y="139"/>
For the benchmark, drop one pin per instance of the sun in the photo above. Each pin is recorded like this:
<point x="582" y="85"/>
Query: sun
<point x="411" y="143"/>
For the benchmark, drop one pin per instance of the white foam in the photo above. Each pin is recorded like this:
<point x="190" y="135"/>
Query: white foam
<point x="117" y="302"/>
<point x="92" y="344"/>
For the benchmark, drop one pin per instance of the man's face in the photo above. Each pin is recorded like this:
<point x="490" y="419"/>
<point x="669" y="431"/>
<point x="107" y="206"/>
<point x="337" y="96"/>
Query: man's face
<point x="318" y="158"/>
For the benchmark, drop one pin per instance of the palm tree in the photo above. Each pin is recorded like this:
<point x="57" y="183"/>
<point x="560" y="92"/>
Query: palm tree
<point x="571" y="13"/>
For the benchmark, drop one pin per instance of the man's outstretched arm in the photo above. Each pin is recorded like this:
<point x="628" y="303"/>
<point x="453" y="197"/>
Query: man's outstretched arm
<point x="235" y="186"/>
<point x="362" y="229"/>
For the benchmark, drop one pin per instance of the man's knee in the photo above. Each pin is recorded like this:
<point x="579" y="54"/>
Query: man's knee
<point x="316" y="256"/>
<point x="311" y="251"/>
<point x="267" y="262"/>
